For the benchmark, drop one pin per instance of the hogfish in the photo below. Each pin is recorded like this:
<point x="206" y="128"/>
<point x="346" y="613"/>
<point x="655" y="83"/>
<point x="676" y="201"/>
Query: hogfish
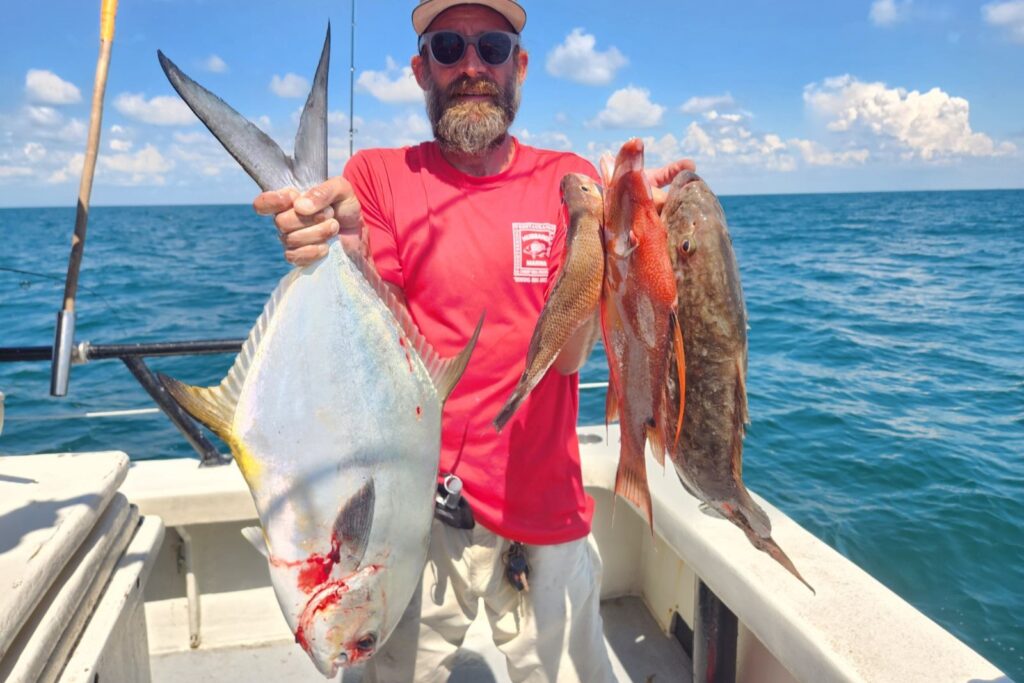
<point x="638" y="322"/>
<point x="332" y="411"/>
<point x="576" y="292"/>
<point x="709" y="455"/>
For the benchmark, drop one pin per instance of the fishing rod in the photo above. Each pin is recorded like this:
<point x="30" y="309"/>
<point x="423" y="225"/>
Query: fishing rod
<point x="64" y="336"/>
<point x="352" y="84"/>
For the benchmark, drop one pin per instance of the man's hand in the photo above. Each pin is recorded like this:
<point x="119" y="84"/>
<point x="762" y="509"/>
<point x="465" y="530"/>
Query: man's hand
<point x="660" y="177"/>
<point x="306" y="221"/>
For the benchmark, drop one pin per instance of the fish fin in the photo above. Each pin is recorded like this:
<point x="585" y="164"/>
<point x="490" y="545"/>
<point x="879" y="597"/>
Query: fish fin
<point x="512" y="404"/>
<point x="352" y="526"/>
<point x="310" y="162"/>
<point x="606" y="165"/>
<point x="445" y="372"/>
<point x="680" y="358"/>
<point x="254" y="535"/>
<point x="255" y="151"/>
<point x="611" y="406"/>
<point x="655" y="438"/>
<point x="210" y="405"/>
<point x="631" y="481"/>
<point x="763" y="542"/>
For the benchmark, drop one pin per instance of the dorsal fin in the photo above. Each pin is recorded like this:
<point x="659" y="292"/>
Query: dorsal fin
<point x="445" y="372"/>
<point x="352" y="527"/>
<point x="255" y="151"/>
<point x="215" y="406"/>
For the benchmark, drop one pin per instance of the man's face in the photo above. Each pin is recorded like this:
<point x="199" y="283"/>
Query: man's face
<point x="471" y="104"/>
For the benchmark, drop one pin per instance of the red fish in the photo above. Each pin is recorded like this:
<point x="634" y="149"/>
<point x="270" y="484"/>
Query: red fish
<point x="638" y="322"/>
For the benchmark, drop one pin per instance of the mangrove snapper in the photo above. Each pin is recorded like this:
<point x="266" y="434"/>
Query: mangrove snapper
<point x="577" y="290"/>
<point x="709" y="455"/>
<point x="332" y="411"/>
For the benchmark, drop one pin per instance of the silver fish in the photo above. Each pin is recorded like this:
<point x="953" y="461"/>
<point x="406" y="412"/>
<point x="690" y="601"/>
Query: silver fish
<point x="332" y="411"/>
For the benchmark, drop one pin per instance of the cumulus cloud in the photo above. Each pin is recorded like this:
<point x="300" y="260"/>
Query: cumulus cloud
<point x="393" y="85"/>
<point x="547" y="139"/>
<point x="161" y="110"/>
<point x="47" y="87"/>
<point x="120" y="145"/>
<point x="72" y="169"/>
<point x="628" y="108"/>
<point x="815" y="154"/>
<point x="289" y="85"/>
<point x="576" y="59"/>
<point x="889" y="12"/>
<point x="215" y="64"/>
<point x="700" y="105"/>
<point x="1007" y="15"/>
<point x="930" y="125"/>
<point x="34" y="151"/>
<point x="46" y="117"/>
<point x="145" y="167"/>
<point x="14" y="172"/>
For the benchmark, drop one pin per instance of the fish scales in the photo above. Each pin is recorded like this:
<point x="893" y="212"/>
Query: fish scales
<point x="332" y="411"/>
<point x="712" y="315"/>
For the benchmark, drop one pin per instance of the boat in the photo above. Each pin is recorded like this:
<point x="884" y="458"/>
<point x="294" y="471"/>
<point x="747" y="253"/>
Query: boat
<point x="141" y="570"/>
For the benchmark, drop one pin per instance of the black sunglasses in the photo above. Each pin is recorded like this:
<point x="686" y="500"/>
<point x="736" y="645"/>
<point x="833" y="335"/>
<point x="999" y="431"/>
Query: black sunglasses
<point x="448" y="47"/>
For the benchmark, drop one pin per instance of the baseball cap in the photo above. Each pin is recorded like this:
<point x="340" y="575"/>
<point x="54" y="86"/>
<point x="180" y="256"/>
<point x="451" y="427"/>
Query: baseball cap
<point x="426" y="10"/>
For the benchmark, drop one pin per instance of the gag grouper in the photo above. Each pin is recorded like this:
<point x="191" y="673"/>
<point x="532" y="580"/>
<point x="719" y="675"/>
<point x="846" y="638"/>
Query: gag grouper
<point x="577" y="290"/>
<point x="709" y="454"/>
<point x="332" y="411"/>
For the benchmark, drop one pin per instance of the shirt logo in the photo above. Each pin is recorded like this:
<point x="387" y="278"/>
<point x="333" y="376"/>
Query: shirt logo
<point x="531" y="243"/>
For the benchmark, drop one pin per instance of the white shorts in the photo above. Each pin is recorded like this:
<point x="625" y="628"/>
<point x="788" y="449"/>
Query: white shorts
<point x="551" y="633"/>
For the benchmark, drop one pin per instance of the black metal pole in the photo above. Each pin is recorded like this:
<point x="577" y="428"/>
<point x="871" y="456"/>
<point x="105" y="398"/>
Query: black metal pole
<point x="206" y="450"/>
<point x="715" y="630"/>
<point x="17" y="354"/>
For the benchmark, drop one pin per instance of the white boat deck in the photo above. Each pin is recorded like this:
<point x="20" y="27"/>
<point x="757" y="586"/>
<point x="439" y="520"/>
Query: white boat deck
<point x="639" y="650"/>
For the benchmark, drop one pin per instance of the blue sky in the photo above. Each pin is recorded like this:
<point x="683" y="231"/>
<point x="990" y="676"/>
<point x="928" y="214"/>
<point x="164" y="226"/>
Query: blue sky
<point x="766" y="97"/>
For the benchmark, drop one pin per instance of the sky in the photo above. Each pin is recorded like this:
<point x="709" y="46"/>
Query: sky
<point x="782" y="97"/>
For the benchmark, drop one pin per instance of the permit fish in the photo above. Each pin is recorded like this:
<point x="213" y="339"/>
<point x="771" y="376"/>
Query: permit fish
<point x="638" y="323"/>
<point x="576" y="292"/>
<point x="708" y="457"/>
<point x="332" y="411"/>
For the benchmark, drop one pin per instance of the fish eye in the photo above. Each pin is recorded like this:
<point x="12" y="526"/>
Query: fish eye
<point x="688" y="246"/>
<point x="367" y="642"/>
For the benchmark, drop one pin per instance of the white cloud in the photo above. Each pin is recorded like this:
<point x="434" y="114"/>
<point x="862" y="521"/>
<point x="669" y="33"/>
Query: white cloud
<point x="145" y="167"/>
<point x="34" y="151"/>
<point x="73" y="131"/>
<point x="1009" y="15"/>
<point x="72" y="169"/>
<point x="289" y="85"/>
<point x="577" y="60"/>
<point x="630" y="107"/>
<point x="889" y="12"/>
<point x="161" y="110"/>
<point x="120" y="145"/>
<point x="14" y="171"/>
<point x="700" y="105"/>
<point x="47" y="117"/>
<point x="930" y="125"/>
<point x="49" y="88"/>
<point x="815" y="154"/>
<point x="215" y="64"/>
<point x="547" y="140"/>
<point x="393" y="85"/>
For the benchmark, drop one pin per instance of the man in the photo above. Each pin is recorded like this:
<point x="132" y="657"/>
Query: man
<point x="466" y="224"/>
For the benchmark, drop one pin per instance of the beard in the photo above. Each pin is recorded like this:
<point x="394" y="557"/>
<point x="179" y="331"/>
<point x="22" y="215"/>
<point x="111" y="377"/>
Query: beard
<point x="476" y="126"/>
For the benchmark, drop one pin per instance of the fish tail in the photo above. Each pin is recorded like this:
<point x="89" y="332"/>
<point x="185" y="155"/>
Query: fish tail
<point x="447" y="373"/>
<point x="512" y="404"/>
<point x="631" y="479"/>
<point x="748" y="516"/>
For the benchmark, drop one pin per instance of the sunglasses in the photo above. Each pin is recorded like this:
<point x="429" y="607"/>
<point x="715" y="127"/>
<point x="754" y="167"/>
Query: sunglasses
<point x="448" y="47"/>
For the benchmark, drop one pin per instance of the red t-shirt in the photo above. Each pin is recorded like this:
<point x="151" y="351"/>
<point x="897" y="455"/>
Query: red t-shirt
<point x="459" y="246"/>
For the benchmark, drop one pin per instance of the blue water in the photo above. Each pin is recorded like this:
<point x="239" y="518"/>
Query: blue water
<point x="886" y="377"/>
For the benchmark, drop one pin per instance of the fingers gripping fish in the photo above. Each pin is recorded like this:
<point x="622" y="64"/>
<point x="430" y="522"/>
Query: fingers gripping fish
<point x="332" y="411"/>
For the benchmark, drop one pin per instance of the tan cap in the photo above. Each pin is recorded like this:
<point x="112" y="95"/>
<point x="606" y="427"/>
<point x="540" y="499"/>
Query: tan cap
<point x="427" y="10"/>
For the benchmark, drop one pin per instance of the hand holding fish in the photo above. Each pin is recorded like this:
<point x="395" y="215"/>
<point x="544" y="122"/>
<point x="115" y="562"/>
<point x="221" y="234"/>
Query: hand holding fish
<point x="662" y="176"/>
<point x="306" y="221"/>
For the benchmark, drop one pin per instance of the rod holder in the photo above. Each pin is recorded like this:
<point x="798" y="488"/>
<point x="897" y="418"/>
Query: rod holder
<point x="63" y="344"/>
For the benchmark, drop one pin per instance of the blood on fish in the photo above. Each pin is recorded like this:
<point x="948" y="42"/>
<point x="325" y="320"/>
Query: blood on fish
<point x="408" y="358"/>
<point x="419" y="412"/>
<point x="315" y="569"/>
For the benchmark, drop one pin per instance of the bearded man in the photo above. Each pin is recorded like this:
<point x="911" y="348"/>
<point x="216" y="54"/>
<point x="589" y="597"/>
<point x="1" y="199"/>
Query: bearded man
<point x="466" y="223"/>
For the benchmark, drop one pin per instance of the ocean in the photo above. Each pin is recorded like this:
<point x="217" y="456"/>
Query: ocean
<point x="886" y="380"/>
